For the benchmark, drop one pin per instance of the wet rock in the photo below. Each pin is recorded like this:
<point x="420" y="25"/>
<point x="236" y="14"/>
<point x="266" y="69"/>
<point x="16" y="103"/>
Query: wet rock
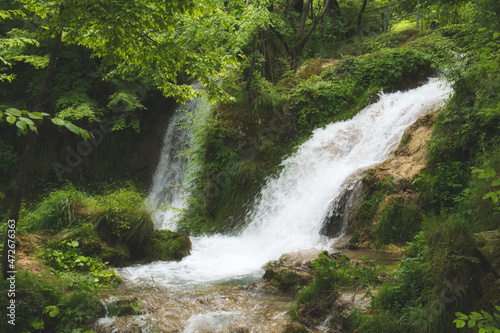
<point x="343" y="210"/>
<point x="488" y="243"/>
<point x="132" y="324"/>
<point x="293" y="269"/>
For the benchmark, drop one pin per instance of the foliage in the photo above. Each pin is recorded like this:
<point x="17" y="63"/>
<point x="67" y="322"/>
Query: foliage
<point x="168" y="245"/>
<point x="331" y="275"/>
<point x="124" y="307"/>
<point x="486" y="174"/>
<point x="114" y="225"/>
<point x="69" y="257"/>
<point x="25" y="120"/>
<point x="484" y="321"/>
<point x="398" y="224"/>
<point x="50" y="304"/>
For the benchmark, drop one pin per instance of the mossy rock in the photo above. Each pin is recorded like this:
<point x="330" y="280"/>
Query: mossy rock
<point x="125" y="306"/>
<point x="169" y="245"/>
<point x="289" y="83"/>
<point x="313" y="67"/>
<point x="488" y="243"/>
<point x="115" y="255"/>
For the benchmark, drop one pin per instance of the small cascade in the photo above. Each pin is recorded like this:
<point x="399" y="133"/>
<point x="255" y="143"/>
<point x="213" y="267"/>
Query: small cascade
<point x="290" y="211"/>
<point x="166" y="194"/>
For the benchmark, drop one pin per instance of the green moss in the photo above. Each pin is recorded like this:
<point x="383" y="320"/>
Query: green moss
<point x="115" y="225"/>
<point x="398" y="224"/>
<point x="125" y="306"/>
<point x="169" y="245"/>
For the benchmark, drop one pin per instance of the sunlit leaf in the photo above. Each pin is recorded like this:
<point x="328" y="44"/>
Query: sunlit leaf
<point x="72" y="128"/>
<point x="58" y="121"/>
<point x="13" y="112"/>
<point x="36" y="115"/>
<point x="11" y="119"/>
<point x="21" y="124"/>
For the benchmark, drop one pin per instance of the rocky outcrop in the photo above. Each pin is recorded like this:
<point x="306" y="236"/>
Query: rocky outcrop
<point x="293" y="269"/>
<point x="488" y="243"/>
<point x="344" y="209"/>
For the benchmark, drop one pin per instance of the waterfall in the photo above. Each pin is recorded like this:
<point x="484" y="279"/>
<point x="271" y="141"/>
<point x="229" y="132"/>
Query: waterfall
<point x="290" y="210"/>
<point x="166" y="194"/>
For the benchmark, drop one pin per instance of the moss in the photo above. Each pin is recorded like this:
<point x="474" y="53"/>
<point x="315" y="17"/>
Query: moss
<point x="169" y="245"/>
<point x="115" y="225"/>
<point x="398" y="224"/>
<point x="125" y="306"/>
<point x="313" y="67"/>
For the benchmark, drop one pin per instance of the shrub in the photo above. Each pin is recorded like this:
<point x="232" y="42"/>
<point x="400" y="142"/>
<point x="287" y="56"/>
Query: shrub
<point x="398" y="224"/>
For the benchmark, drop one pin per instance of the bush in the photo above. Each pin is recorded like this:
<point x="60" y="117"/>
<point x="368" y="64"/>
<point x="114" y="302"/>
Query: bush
<point x="398" y="224"/>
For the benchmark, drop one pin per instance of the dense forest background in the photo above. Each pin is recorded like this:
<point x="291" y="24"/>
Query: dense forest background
<point x="87" y="89"/>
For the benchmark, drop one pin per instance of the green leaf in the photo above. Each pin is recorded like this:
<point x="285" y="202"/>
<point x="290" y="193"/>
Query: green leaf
<point x="459" y="323"/>
<point x="21" y="124"/>
<point x="496" y="183"/>
<point x="477" y="171"/>
<point x="52" y="310"/>
<point x="1" y="114"/>
<point x="462" y="316"/>
<point x="85" y="135"/>
<point x="487" y="315"/>
<point x="35" y="115"/>
<point x="58" y="121"/>
<point x="33" y="128"/>
<point x="74" y="243"/>
<point x="11" y="119"/>
<point x="471" y="323"/>
<point x="27" y="120"/>
<point x="13" y="112"/>
<point x="38" y="324"/>
<point x="72" y="128"/>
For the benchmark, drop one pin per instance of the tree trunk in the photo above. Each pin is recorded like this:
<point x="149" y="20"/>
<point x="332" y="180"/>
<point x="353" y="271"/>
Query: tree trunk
<point x="303" y="19"/>
<point x="24" y="163"/>
<point x="360" y="16"/>
<point x="252" y="64"/>
<point x="303" y="39"/>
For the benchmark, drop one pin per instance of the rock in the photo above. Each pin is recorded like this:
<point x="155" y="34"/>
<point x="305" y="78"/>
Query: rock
<point x="488" y="243"/>
<point x="293" y="269"/>
<point x="343" y="210"/>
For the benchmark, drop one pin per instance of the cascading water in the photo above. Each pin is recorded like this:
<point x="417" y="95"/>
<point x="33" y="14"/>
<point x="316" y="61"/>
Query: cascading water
<point x="166" y="194"/>
<point x="290" y="210"/>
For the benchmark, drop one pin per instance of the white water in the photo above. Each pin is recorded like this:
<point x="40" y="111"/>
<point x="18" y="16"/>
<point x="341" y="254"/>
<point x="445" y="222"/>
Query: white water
<point x="292" y="206"/>
<point x="166" y="194"/>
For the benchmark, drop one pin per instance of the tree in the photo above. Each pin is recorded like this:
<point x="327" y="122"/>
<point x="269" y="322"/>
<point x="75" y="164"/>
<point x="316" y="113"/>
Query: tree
<point x="142" y="36"/>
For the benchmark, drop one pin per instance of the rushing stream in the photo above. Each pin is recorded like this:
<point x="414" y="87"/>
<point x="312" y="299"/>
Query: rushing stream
<point x="287" y="215"/>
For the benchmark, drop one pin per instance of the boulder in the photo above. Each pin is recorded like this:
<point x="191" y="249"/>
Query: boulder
<point x="488" y="243"/>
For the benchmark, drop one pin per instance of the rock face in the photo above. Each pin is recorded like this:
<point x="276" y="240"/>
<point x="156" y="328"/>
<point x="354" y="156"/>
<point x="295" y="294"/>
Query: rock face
<point x="343" y="210"/>
<point x="293" y="269"/>
<point x="290" y="270"/>
<point x="488" y="243"/>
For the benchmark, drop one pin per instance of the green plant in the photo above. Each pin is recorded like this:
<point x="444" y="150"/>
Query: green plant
<point x="487" y="174"/>
<point x="68" y="257"/>
<point x="484" y="321"/>
<point x="398" y="224"/>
